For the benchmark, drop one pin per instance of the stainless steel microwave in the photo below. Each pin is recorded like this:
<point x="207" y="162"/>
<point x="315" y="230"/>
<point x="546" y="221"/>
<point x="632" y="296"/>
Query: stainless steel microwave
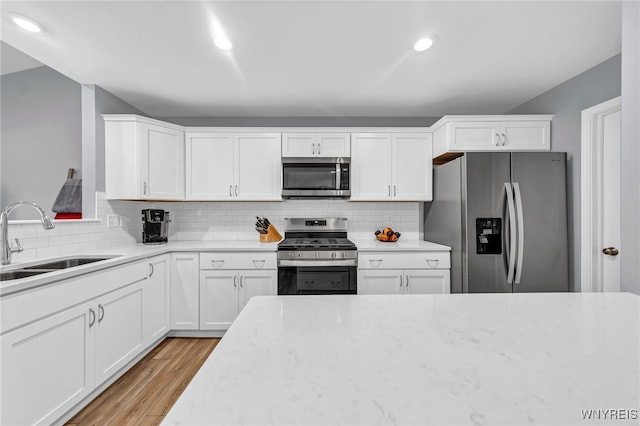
<point x="316" y="177"/>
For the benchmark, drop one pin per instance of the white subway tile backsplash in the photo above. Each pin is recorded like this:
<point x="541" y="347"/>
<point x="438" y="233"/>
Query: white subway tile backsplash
<point x="206" y="221"/>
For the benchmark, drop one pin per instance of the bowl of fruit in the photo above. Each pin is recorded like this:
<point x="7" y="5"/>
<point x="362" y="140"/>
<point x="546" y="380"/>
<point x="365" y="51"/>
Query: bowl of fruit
<point x="387" y="235"/>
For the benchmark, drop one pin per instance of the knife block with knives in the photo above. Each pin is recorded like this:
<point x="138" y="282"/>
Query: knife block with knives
<point x="268" y="232"/>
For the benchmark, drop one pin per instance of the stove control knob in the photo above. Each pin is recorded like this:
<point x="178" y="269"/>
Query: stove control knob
<point x="291" y="255"/>
<point x="317" y="255"/>
<point x="344" y="254"/>
<point x="333" y="254"/>
<point x="299" y="255"/>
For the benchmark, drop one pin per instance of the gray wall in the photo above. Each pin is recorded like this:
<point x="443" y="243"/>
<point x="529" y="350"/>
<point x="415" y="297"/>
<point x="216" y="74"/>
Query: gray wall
<point x="302" y="121"/>
<point x="630" y="149"/>
<point x="41" y="136"/>
<point x="106" y="103"/>
<point x="567" y="101"/>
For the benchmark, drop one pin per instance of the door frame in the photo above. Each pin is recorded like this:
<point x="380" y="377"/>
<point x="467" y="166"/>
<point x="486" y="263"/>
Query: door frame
<point x="591" y="190"/>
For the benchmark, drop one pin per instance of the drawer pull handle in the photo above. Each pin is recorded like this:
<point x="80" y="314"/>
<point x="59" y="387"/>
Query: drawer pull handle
<point x="432" y="262"/>
<point x="100" y="313"/>
<point x="259" y="263"/>
<point x="217" y="263"/>
<point x="92" y="317"/>
<point x="375" y="262"/>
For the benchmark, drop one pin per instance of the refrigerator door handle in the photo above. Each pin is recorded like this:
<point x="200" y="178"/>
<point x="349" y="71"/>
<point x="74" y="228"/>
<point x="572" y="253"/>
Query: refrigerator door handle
<point x="520" y="215"/>
<point x="512" y="232"/>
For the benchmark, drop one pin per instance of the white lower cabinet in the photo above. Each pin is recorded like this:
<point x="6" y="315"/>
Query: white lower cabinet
<point x="225" y="289"/>
<point x="118" y="330"/>
<point x="47" y="367"/>
<point x="60" y="342"/>
<point x="185" y="291"/>
<point x="156" y="300"/>
<point x="224" y="293"/>
<point x="404" y="273"/>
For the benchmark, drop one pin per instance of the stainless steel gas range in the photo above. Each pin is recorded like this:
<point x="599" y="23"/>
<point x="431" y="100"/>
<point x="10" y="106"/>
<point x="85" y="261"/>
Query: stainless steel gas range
<point x="316" y="257"/>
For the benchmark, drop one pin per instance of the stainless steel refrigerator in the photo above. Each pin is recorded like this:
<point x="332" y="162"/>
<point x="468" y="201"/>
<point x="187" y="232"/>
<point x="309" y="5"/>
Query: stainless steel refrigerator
<point x="505" y="217"/>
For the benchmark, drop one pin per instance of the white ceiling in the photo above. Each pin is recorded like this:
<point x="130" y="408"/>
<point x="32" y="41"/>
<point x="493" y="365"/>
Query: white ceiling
<point x="324" y="58"/>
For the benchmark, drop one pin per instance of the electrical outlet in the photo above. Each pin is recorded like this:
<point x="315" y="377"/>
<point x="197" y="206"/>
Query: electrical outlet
<point x="113" y="221"/>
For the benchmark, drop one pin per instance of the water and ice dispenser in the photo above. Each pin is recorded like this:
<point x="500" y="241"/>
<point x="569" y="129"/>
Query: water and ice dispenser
<point x="488" y="235"/>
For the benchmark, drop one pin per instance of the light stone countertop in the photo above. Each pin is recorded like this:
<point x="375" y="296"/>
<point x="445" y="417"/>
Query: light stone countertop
<point x="460" y="359"/>
<point x="373" y="245"/>
<point x="122" y="255"/>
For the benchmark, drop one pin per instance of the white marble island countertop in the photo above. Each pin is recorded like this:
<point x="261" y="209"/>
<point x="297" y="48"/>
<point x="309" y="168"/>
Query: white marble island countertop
<point x="462" y="359"/>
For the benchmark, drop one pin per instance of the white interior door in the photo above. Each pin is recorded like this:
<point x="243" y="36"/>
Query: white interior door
<point x="600" y="209"/>
<point x="611" y="202"/>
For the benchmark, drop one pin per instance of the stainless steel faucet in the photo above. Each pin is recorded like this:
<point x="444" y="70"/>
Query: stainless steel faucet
<point x="6" y="249"/>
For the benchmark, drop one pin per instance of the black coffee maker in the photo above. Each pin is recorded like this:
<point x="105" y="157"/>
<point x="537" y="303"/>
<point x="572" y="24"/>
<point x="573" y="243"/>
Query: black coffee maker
<point x="155" y="226"/>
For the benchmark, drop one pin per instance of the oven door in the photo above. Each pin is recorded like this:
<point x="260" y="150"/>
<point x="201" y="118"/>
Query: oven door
<point x="317" y="280"/>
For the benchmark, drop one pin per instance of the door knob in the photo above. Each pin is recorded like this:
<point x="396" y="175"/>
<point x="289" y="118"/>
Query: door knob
<point x="611" y="251"/>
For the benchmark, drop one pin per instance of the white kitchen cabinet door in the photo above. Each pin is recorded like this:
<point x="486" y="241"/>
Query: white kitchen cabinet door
<point x="161" y="162"/>
<point x="47" y="367"/>
<point x="218" y="299"/>
<point x="385" y="281"/>
<point x="209" y="166"/>
<point x="412" y="178"/>
<point x="144" y="158"/>
<point x="185" y="291"/>
<point x="257" y="283"/>
<point x="526" y="135"/>
<point x="258" y="171"/>
<point x="475" y="136"/>
<point x="118" y="330"/>
<point x="299" y="144"/>
<point x="427" y="281"/>
<point x="155" y="300"/>
<point x="370" y="166"/>
<point x="333" y="145"/>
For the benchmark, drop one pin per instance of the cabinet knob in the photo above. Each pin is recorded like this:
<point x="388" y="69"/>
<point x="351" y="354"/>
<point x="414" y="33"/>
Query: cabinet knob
<point x="610" y="251"/>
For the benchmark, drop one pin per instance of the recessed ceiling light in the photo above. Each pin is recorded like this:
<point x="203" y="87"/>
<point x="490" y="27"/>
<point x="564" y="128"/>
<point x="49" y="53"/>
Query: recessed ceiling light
<point x="223" y="43"/>
<point x="27" y="24"/>
<point x="424" y="43"/>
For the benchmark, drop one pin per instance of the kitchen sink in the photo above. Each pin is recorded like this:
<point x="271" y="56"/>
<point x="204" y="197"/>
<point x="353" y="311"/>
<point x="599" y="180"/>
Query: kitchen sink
<point x="19" y="273"/>
<point x="43" y="268"/>
<point x="67" y="263"/>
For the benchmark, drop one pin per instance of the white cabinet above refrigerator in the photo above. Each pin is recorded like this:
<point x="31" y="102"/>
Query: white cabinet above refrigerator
<point x="454" y="135"/>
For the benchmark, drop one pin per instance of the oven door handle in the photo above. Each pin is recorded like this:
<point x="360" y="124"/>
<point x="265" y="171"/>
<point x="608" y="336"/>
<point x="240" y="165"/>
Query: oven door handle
<point x="315" y="263"/>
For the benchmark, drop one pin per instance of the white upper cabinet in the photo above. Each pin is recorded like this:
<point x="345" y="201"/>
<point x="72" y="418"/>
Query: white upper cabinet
<point x="453" y="135"/>
<point x="209" y="166"/>
<point x="144" y="158"/>
<point x="313" y="144"/>
<point x="391" y="167"/>
<point x="411" y="172"/>
<point x="233" y="166"/>
<point x="258" y="167"/>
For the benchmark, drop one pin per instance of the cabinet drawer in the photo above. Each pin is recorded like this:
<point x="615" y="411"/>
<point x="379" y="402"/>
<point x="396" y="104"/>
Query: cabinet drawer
<point x="244" y="260"/>
<point x="405" y="260"/>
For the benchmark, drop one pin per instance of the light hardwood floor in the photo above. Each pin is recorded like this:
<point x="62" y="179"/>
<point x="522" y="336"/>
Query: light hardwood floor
<point x="144" y="394"/>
